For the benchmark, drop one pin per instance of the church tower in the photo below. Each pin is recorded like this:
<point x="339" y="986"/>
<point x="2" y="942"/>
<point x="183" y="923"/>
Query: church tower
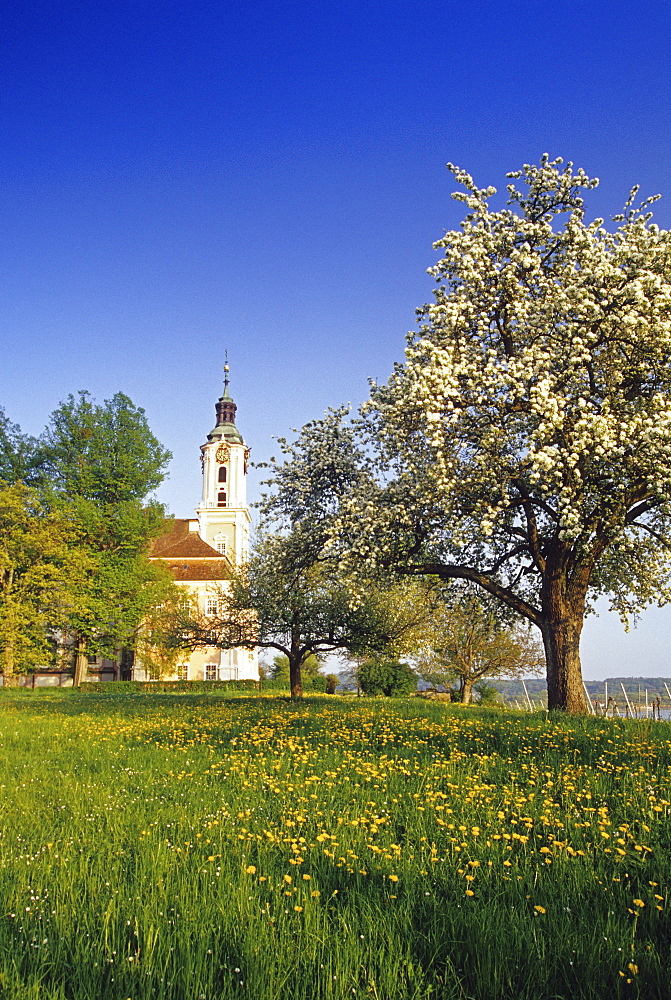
<point x="223" y="516"/>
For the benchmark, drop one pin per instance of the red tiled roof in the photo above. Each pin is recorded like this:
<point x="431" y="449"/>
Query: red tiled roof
<point x="188" y="556"/>
<point x="200" y="569"/>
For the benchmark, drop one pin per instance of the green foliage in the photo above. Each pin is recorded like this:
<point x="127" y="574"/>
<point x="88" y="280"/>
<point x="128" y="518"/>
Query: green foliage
<point x="74" y="549"/>
<point x="279" y="670"/>
<point x="42" y="570"/>
<point x="311" y="678"/>
<point x="18" y="453"/>
<point x="386" y="677"/>
<point x="167" y="687"/>
<point x="105" y="452"/>
<point x="489" y="694"/>
<point x="470" y="636"/>
<point x="103" y="462"/>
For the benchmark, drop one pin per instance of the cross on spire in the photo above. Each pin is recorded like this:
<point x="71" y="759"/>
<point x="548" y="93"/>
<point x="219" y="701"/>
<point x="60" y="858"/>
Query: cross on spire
<point x="226" y="371"/>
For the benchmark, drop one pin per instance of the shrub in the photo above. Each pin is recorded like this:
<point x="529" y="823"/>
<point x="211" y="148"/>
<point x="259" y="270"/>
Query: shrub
<point x="193" y="687"/>
<point x="387" y="677"/>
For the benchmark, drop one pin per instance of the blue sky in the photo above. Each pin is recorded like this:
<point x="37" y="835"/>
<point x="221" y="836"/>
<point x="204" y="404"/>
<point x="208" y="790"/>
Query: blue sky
<point x="180" y="179"/>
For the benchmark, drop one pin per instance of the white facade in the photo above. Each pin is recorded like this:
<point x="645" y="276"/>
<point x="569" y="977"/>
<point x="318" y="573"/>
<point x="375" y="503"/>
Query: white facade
<point x="223" y="515"/>
<point x="202" y="552"/>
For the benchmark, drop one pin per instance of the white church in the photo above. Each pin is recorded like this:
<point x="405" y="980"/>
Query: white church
<point x="201" y="552"/>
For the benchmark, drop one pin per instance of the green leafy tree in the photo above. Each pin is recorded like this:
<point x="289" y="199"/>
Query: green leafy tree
<point x="280" y="667"/>
<point x="19" y="453"/>
<point x="332" y="681"/>
<point x="469" y="639"/>
<point x="103" y="462"/>
<point x="392" y="678"/>
<point x="489" y="693"/>
<point x="310" y="668"/>
<point x="41" y="572"/>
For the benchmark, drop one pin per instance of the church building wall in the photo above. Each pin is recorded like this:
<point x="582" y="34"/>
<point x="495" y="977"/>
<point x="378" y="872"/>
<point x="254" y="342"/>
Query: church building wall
<point x="203" y="551"/>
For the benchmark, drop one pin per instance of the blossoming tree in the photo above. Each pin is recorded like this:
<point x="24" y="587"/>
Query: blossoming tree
<point x="527" y="437"/>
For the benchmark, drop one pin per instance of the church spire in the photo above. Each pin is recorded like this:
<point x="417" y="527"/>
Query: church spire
<point x="223" y="517"/>
<point x="225" y="410"/>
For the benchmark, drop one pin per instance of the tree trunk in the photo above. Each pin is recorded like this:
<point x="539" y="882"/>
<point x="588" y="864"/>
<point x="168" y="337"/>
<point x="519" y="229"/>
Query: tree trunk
<point x="466" y="691"/>
<point x="561" y="631"/>
<point x="295" y="662"/>
<point x="9" y="678"/>
<point x="81" y="662"/>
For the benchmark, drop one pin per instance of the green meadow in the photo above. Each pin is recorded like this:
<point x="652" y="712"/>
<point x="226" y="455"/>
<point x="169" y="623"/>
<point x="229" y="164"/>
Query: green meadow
<point x="197" y="847"/>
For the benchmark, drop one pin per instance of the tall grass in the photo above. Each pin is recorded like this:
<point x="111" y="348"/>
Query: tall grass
<point x="155" y="846"/>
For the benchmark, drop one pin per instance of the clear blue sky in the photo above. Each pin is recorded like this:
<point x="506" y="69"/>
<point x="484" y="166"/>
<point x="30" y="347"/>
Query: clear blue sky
<point x="181" y="178"/>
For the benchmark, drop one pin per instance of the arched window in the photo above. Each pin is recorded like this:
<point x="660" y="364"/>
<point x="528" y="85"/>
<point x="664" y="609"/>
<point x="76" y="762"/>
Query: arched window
<point x="222" y="473"/>
<point x="221" y="500"/>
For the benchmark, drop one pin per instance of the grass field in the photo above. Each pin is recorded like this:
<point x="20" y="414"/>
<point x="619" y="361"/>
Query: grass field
<point x="205" y="847"/>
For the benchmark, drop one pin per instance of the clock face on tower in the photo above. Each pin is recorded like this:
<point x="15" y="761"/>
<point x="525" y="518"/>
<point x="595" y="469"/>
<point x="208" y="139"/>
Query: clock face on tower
<point x="223" y="452"/>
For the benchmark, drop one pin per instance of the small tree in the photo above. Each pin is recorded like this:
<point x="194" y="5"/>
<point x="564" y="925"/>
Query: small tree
<point x="279" y="670"/>
<point x="387" y="677"/>
<point x="282" y="601"/>
<point x="489" y="693"/>
<point x="332" y="681"/>
<point x="471" y="639"/>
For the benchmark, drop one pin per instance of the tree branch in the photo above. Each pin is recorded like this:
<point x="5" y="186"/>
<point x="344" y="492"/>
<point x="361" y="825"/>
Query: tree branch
<point x="448" y="571"/>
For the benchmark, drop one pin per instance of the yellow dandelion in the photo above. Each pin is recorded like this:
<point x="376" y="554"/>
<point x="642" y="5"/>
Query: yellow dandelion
<point x="250" y="869"/>
<point x="539" y="909"/>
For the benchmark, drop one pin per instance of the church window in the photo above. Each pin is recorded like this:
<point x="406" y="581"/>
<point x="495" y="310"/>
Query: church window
<point x="210" y="671"/>
<point x="220" y="544"/>
<point x="221" y="500"/>
<point x="211" y="606"/>
<point x="183" y="672"/>
<point x="222" y="473"/>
